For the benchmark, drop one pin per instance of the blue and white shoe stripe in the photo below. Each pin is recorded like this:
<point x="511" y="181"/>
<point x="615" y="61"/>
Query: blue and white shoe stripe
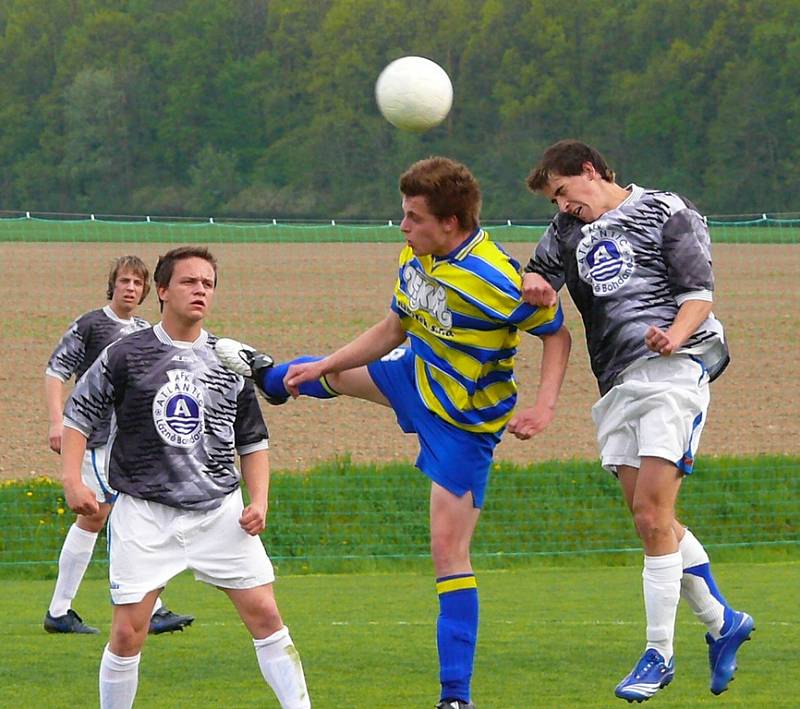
<point x="650" y="674"/>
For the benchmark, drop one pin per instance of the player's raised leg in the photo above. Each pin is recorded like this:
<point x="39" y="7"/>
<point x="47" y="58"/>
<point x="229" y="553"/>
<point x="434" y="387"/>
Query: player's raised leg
<point x="270" y="377"/>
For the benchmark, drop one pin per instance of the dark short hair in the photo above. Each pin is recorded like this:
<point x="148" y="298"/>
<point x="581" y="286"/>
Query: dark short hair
<point x="166" y="264"/>
<point x="449" y="188"/>
<point x="128" y="263"/>
<point x="567" y="158"/>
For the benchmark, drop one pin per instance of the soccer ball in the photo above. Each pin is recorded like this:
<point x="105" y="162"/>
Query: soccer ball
<point x="414" y="93"/>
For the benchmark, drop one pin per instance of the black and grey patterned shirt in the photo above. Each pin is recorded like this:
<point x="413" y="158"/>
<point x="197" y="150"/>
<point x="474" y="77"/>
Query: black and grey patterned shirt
<point x="632" y="268"/>
<point x="82" y="343"/>
<point x="178" y="418"/>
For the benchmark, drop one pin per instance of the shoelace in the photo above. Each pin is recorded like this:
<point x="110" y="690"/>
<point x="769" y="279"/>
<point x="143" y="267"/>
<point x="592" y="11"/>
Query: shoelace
<point x="651" y="660"/>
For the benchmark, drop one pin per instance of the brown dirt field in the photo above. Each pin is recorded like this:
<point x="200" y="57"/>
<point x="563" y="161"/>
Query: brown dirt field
<point x="301" y="298"/>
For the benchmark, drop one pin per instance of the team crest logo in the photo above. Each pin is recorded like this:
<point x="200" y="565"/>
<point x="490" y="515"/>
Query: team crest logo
<point x="605" y="260"/>
<point x="178" y="410"/>
<point x="428" y="295"/>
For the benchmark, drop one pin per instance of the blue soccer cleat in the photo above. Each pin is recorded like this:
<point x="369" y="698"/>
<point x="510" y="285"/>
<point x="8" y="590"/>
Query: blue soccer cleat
<point x="650" y="674"/>
<point x="722" y="652"/>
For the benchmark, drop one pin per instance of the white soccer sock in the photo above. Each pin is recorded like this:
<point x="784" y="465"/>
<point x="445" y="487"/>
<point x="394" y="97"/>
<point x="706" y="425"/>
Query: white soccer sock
<point x="119" y="679"/>
<point x="694" y="589"/>
<point x="76" y="553"/>
<point x="281" y="668"/>
<point x="157" y="606"/>
<point x="662" y="591"/>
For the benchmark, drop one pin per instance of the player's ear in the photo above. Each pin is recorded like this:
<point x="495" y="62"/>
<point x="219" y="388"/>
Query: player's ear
<point x="450" y="223"/>
<point x="588" y="171"/>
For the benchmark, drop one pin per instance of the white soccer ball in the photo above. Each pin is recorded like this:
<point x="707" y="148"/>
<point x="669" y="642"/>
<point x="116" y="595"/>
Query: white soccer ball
<point x="414" y="93"/>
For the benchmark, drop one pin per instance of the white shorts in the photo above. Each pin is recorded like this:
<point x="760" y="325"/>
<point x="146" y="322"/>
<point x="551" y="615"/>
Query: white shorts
<point x="657" y="408"/>
<point x="150" y="543"/>
<point x="93" y="473"/>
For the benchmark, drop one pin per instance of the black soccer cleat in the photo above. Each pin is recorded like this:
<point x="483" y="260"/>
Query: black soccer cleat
<point x="70" y="622"/>
<point x="165" y="621"/>
<point x="454" y="704"/>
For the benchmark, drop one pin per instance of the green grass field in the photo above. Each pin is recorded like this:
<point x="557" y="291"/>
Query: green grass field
<point x="549" y="637"/>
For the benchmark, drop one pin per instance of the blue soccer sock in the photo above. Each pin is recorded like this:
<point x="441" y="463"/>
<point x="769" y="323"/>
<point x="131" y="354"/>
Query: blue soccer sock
<point x="272" y="381"/>
<point x="457" y="633"/>
<point x="700" y="590"/>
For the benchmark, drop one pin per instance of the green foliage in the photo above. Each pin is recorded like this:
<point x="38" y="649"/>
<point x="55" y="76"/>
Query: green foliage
<point x="115" y="107"/>
<point x="339" y="512"/>
<point x="369" y="641"/>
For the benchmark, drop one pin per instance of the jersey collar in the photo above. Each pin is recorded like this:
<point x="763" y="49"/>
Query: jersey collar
<point x="635" y="195"/>
<point x="463" y="249"/>
<point x="161" y="334"/>
<point x="111" y="315"/>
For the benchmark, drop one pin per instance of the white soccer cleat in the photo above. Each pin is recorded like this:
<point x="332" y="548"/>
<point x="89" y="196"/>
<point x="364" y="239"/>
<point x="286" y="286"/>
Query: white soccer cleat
<point x="240" y="358"/>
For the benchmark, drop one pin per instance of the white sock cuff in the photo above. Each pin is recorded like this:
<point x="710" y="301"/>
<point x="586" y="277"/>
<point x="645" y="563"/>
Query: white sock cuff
<point x="275" y="638"/>
<point x="668" y="567"/>
<point x="692" y="551"/>
<point x="117" y="663"/>
<point x="79" y="540"/>
<point x="664" y="561"/>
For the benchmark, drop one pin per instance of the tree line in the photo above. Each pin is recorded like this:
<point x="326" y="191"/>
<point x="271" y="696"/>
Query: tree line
<point x="265" y="108"/>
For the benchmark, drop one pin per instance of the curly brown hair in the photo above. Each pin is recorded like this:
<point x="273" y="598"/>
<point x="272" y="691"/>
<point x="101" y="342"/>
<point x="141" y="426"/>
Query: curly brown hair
<point x="449" y="188"/>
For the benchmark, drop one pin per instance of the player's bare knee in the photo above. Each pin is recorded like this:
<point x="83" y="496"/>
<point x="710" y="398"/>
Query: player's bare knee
<point x="126" y="639"/>
<point x="651" y="525"/>
<point x="448" y="552"/>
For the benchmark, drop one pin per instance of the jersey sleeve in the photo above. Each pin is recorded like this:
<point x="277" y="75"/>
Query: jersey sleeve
<point x="89" y="405"/>
<point x="69" y="352"/>
<point x="543" y="321"/>
<point x="546" y="258"/>
<point x="500" y="289"/>
<point x="250" y="431"/>
<point x="686" y="247"/>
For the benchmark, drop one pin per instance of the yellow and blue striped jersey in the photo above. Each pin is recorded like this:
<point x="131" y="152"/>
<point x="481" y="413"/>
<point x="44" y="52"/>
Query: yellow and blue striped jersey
<point x="463" y="313"/>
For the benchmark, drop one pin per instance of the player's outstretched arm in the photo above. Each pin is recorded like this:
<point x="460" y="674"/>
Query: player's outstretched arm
<point x="370" y="345"/>
<point x="690" y="315"/>
<point x="79" y="498"/>
<point x="255" y="473"/>
<point x="555" y="355"/>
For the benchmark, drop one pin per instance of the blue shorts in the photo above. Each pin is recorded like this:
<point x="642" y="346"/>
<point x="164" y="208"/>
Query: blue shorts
<point x="456" y="459"/>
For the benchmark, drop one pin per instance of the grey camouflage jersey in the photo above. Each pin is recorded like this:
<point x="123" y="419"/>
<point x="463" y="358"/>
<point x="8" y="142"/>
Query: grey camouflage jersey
<point x="82" y="343"/>
<point x="178" y="419"/>
<point x="630" y="269"/>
